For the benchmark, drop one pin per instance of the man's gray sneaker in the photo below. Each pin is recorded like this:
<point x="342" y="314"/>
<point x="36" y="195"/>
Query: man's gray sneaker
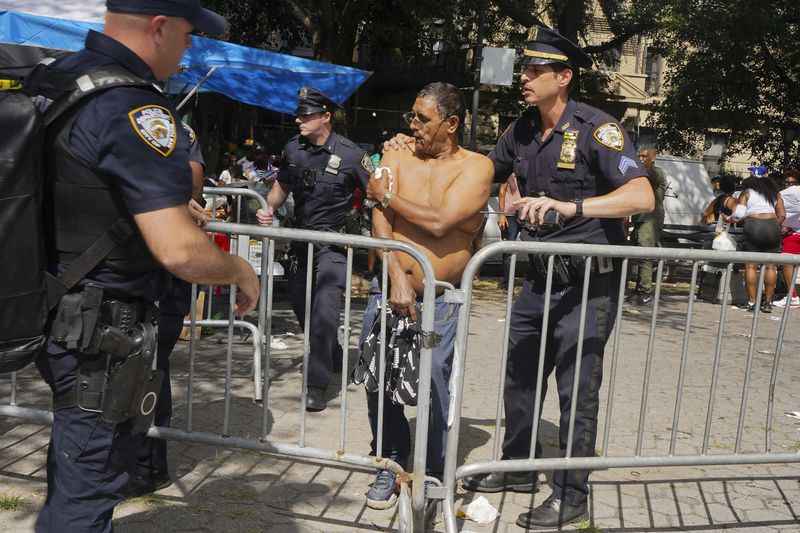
<point x="384" y="490"/>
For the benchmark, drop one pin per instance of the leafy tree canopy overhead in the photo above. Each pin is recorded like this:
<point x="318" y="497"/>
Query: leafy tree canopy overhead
<point x="734" y="69"/>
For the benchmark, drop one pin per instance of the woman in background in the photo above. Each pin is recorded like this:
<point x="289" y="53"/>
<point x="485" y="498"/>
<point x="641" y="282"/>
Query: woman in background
<point x="761" y="207"/>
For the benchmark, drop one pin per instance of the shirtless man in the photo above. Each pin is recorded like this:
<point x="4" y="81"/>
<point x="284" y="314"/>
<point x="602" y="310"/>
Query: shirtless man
<point x="438" y="191"/>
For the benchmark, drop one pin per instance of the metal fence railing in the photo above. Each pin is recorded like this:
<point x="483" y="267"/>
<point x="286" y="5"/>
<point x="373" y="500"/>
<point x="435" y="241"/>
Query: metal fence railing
<point x="411" y="503"/>
<point x="739" y="450"/>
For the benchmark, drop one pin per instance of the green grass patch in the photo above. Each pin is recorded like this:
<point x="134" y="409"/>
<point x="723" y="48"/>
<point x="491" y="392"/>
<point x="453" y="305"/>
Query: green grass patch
<point x="587" y="527"/>
<point x="252" y="453"/>
<point x="237" y="495"/>
<point x="147" y="499"/>
<point x="10" y="503"/>
<point x="243" y="513"/>
<point x="201" y="510"/>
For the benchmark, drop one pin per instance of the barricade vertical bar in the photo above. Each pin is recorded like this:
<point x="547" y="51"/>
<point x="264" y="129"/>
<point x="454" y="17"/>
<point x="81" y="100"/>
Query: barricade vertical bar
<point x="13" y="388"/>
<point x="267" y="332"/>
<point x="211" y="286"/>
<point x="614" y="357"/>
<point x="192" y="349"/>
<point x="749" y="365"/>
<point x="684" y="353"/>
<point x="424" y="393"/>
<point x="306" y="340"/>
<point x="726" y="291"/>
<point x="229" y="356"/>
<point x="382" y="354"/>
<point x="504" y="359"/>
<point x="258" y="377"/>
<point x="649" y="361"/>
<point x="587" y="274"/>
<point x="348" y="289"/>
<point x="778" y="350"/>
<point x="457" y="386"/>
<point x="537" y="398"/>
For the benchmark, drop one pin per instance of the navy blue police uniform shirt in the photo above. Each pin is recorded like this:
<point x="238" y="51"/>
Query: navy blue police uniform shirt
<point x="194" y="152"/>
<point x="337" y="167"/>
<point x="115" y="133"/>
<point x="587" y="154"/>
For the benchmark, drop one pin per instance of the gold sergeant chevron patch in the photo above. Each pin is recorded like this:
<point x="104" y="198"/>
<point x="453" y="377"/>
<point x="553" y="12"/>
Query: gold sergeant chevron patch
<point x="156" y="127"/>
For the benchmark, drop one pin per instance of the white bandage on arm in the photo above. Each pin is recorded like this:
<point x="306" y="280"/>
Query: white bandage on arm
<point x="739" y="212"/>
<point x="378" y="174"/>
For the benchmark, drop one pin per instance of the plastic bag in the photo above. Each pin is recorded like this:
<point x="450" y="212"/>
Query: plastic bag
<point x="724" y="241"/>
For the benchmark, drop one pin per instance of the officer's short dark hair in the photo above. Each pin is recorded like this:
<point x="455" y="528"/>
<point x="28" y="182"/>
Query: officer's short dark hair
<point x="449" y="100"/>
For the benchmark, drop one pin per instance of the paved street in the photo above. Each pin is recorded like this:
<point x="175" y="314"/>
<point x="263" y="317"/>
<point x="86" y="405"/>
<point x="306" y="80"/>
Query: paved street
<point x="220" y="490"/>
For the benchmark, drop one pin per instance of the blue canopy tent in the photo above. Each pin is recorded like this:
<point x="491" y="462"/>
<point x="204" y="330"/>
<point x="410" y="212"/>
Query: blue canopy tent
<point x="249" y="75"/>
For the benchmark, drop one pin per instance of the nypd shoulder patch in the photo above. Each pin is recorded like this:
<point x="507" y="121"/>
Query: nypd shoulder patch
<point x="156" y="127"/>
<point x="626" y="163"/>
<point x="367" y="163"/>
<point x="610" y="136"/>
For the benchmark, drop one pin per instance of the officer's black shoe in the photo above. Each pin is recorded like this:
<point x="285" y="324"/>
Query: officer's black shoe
<point x="315" y="399"/>
<point x="501" y="481"/>
<point x="552" y="513"/>
<point x="143" y="485"/>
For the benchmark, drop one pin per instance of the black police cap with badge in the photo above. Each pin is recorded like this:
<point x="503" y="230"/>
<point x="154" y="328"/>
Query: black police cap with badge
<point x="546" y="46"/>
<point x="314" y="101"/>
<point x="202" y="19"/>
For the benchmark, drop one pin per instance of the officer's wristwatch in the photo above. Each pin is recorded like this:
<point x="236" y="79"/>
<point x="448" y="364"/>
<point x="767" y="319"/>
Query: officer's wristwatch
<point x="578" y="206"/>
<point x="386" y="198"/>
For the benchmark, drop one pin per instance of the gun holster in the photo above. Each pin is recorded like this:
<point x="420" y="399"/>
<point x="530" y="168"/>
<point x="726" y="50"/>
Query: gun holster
<point x="117" y="344"/>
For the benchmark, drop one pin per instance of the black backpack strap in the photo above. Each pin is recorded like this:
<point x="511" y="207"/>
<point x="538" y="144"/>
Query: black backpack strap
<point x="57" y="287"/>
<point x="52" y="82"/>
<point x="48" y="82"/>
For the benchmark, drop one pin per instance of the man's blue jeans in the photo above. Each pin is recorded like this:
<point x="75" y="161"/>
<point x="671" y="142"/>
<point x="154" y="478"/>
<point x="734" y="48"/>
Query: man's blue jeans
<point x="396" y="432"/>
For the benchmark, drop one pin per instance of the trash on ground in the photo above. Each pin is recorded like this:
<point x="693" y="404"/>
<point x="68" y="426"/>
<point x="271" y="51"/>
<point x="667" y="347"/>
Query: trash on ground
<point x="479" y="511"/>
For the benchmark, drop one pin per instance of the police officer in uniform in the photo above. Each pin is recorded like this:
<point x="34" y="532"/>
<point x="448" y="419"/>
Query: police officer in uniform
<point x="121" y="156"/>
<point x="321" y="169"/>
<point x="576" y="160"/>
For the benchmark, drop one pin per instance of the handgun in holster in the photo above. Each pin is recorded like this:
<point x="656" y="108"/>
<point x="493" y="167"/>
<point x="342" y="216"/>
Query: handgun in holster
<point x="561" y="271"/>
<point x="117" y="343"/>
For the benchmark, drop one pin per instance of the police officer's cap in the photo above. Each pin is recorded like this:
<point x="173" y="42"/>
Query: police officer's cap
<point x="202" y="19"/>
<point x="546" y="46"/>
<point x="313" y="101"/>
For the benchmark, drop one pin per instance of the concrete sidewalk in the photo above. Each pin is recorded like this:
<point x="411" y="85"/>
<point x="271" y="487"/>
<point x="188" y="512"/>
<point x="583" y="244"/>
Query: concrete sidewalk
<point x="240" y="491"/>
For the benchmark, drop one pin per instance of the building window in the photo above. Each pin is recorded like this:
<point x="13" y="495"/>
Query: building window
<point x="652" y="68"/>
<point x="610" y="59"/>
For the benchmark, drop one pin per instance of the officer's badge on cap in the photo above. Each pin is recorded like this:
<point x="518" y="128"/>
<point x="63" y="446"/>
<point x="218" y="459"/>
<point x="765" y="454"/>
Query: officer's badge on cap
<point x="156" y="127"/>
<point x="203" y="19"/>
<point x="313" y="101"/>
<point x="546" y="46"/>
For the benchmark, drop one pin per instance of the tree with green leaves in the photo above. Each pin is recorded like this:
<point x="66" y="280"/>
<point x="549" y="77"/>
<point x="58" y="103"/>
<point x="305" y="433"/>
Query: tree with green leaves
<point x="735" y="71"/>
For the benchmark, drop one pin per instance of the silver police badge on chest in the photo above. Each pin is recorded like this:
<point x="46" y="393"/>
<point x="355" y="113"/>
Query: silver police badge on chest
<point x="333" y="164"/>
<point x="569" y="147"/>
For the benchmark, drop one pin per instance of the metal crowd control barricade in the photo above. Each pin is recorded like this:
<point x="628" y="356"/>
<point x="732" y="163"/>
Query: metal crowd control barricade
<point x="259" y="341"/>
<point x="411" y="504"/>
<point x="699" y="453"/>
